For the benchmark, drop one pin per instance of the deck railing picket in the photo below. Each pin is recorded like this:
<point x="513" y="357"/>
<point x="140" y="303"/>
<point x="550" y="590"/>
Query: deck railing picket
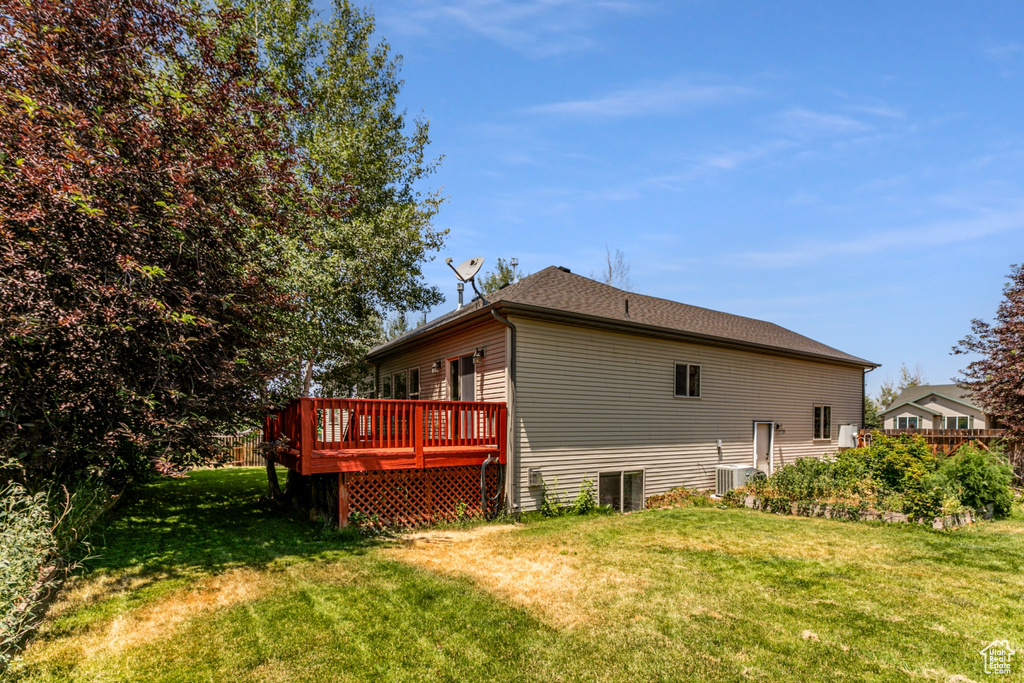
<point x="325" y="424"/>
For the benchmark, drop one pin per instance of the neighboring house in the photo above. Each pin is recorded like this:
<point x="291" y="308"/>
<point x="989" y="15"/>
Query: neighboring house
<point x="934" y="406"/>
<point x="636" y="393"/>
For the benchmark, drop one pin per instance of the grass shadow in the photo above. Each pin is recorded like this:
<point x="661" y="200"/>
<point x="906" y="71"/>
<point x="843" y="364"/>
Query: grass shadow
<point x="210" y="522"/>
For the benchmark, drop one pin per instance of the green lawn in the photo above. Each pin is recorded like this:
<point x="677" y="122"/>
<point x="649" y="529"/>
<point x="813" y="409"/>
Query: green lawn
<point x="197" y="580"/>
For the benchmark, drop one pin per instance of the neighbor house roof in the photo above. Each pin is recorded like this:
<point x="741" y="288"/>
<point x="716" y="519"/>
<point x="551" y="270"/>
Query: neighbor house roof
<point x="559" y="295"/>
<point x="912" y="396"/>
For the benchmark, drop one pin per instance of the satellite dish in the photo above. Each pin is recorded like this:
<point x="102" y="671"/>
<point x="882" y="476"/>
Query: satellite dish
<point x="467" y="270"/>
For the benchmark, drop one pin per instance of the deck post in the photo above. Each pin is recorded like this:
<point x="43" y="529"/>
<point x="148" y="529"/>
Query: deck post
<point x="417" y="434"/>
<point x="306" y="433"/>
<point x="502" y="434"/>
<point x="342" y="499"/>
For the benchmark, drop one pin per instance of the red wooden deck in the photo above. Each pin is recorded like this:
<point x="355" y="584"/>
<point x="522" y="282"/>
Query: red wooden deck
<point x="322" y="435"/>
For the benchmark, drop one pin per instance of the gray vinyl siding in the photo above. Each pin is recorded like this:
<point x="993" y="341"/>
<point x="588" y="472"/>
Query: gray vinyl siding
<point x="490" y="372"/>
<point x="589" y="401"/>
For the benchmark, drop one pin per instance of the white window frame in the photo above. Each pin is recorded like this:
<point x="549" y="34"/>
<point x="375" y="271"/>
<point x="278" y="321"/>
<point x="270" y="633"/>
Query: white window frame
<point x="771" y="444"/>
<point x="814" y="434"/>
<point x="969" y="418"/>
<point x="700" y="379"/>
<point x="908" y="418"/>
<point x="622" y="471"/>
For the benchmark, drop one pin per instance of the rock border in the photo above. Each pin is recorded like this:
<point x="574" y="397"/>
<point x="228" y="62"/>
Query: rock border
<point x="830" y="512"/>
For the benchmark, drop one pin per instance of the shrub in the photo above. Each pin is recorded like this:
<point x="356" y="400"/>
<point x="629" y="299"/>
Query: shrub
<point x="551" y="502"/>
<point x="682" y="497"/>
<point x="37" y="533"/>
<point x="978" y="479"/>
<point x="586" y="500"/>
<point x="27" y="545"/>
<point x="895" y="473"/>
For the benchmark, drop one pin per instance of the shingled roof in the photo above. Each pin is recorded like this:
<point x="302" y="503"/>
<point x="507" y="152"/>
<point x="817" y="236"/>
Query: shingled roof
<point x="556" y="293"/>
<point x="911" y="395"/>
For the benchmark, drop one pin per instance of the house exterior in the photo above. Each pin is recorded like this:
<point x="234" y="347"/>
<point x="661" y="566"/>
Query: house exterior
<point x="935" y="406"/>
<point x="636" y="393"/>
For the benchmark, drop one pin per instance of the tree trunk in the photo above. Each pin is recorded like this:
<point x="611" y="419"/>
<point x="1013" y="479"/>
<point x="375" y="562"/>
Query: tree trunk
<point x="307" y="379"/>
<point x="273" y="484"/>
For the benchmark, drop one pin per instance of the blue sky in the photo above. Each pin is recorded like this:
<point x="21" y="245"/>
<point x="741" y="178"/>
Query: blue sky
<point x="851" y="171"/>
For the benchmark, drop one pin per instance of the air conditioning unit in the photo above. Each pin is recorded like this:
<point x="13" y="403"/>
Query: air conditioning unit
<point x="729" y="477"/>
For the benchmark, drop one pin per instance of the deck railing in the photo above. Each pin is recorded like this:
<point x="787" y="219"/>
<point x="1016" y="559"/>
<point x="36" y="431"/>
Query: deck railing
<point x="344" y="424"/>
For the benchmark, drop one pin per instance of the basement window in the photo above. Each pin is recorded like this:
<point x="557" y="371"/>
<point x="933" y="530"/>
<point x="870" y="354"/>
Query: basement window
<point x="687" y="380"/>
<point x="622" y="491"/>
<point x="822" y="422"/>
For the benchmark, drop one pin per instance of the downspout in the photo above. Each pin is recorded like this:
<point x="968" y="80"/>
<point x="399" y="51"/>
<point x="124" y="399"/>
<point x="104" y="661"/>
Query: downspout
<point x="863" y="398"/>
<point x="510" y="441"/>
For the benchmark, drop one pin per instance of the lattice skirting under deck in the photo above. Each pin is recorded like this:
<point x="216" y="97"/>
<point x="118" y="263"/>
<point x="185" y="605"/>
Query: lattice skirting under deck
<point x="415" y="497"/>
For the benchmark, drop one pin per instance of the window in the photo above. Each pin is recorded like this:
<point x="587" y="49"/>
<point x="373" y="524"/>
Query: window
<point x="623" y="491"/>
<point x="461" y="378"/>
<point x="414" y="383"/>
<point x="687" y="380"/>
<point x="822" y="422"/>
<point x="906" y="423"/>
<point x="958" y="422"/>
<point x="401" y="385"/>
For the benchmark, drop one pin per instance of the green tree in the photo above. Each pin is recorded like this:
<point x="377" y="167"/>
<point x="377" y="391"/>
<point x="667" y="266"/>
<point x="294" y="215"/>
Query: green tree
<point x="504" y="273"/>
<point x="359" y="267"/>
<point x="887" y="394"/>
<point x="910" y="378"/>
<point x="872" y="420"/>
<point x="890" y="391"/>
<point x="149" y="195"/>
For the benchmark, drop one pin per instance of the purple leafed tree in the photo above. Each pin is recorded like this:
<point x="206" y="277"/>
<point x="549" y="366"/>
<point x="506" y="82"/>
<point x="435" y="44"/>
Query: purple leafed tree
<point x="147" y="187"/>
<point x="997" y="378"/>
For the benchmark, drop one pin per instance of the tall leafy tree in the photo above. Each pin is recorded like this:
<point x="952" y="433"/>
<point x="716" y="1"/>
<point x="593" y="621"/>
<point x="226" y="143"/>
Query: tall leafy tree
<point x="996" y="379"/>
<point x="504" y="273"/>
<point x="149" y="200"/>
<point x="363" y="266"/>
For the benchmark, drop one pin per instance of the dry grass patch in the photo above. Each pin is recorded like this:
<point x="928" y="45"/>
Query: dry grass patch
<point x="551" y="579"/>
<point x="156" y="620"/>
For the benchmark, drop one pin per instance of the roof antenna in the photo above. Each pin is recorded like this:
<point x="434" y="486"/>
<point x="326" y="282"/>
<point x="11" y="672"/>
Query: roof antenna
<point x="466" y="271"/>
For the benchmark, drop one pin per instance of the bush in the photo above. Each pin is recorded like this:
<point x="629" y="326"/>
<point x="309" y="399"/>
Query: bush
<point x="978" y="479"/>
<point x="37" y="533"/>
<point x="551" y="504"/>
<point x="586" y="500"/>
<point x="900" y="474"/>
<point x="27" y="546"/>
<point x="681" y="497"/>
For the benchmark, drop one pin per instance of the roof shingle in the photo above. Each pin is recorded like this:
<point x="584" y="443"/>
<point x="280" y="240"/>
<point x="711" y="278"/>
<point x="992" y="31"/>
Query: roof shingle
<point x="557" y="290"/>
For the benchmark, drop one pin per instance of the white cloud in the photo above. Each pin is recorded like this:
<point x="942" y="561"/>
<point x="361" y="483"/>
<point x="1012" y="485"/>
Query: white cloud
<point x="538" y="28"/>
<point x="922" y="236"/>
<point x="1002" y="52"/>
<point x="728" y="160"/>
<point x="656" y="98"/>
<point x="805" y="123"/>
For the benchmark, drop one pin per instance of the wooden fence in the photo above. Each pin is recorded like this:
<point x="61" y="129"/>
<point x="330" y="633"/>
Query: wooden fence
<point x="244" y="447"/>
<point x="948" y="440"/>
